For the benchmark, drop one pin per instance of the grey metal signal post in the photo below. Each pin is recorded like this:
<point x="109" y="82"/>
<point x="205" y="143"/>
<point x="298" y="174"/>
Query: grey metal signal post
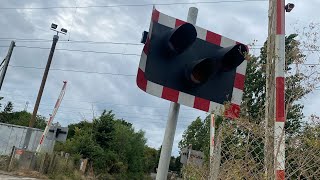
<point x="168" y="139"/>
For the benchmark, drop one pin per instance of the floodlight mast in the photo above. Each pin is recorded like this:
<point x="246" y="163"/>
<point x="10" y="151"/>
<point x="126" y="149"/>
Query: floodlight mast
<point x="43" y="82"/>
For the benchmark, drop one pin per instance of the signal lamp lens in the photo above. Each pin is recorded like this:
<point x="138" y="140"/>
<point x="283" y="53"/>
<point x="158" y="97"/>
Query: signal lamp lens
<point x="203" y="70"/>
<point x="234" y="57"/>
<point x="182" y="38"/>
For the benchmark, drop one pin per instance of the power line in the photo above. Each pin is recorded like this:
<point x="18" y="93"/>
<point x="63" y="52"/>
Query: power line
<point x="113" y="111"/>
<point x="104" y="103"/>
<point x="135" y="120"/>
<point x="104" y="52"/>
<point x="79" y="50"/>
<point x="311" y="50"/>
<point x="131" y="119"/>
<point x="69" y="41"/>
<point x="129" y="5"/>
<point x="120" y="43"/>
<point x="34" y="40"/>
<point x="97" y="42"/>
<point x="120" y="114"/>
<point x="101" y="73"/>
<point x="124" y="114"/>
<point x="74" y="70"/>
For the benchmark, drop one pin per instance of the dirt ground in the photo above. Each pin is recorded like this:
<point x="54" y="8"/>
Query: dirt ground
<point x="29" y="175"/>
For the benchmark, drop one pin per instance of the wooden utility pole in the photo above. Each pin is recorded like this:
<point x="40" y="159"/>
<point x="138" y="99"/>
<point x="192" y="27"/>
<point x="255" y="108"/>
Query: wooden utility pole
<point x="43" y="82"/>
<point x="6" y="63"/>
<point x="270" y="93"/>
<point x="275" y="117"/>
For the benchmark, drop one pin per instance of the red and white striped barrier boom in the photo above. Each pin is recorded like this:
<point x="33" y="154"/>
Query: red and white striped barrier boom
<point x="212" y="129"/>
<point x="54" y="112"/>
<point x="212" y="126"/>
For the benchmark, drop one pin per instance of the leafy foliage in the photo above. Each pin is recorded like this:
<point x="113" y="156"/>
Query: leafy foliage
<point x="194" y="135"/>
<point x="254" y="91"/>
<point x="20" y="118"/>
<point x="150" y="159"/>
<point x="113" y="147"/>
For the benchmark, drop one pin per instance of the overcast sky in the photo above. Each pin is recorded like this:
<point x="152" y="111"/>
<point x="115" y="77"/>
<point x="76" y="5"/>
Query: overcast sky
<point x="89" y="94"/>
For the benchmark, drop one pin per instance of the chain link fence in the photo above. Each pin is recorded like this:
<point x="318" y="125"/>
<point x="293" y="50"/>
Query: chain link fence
<point x="239" y="153"/>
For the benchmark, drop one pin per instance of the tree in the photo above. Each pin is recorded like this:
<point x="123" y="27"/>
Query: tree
<point x="0" y="100"/>
<point x="8" y="108"/>
<point x="84" y="125"/>
<point x="150" y="159"/>
<point x="5" y="114"/>
<point x="103" y="129"/>
<point x="254" y="91"/>
<point x="112" y="145"/>
<point x="129" y="146"/>
<point x="175" y="164"/>
<point x="196" y="134"/>
<point x="20" y="118"/>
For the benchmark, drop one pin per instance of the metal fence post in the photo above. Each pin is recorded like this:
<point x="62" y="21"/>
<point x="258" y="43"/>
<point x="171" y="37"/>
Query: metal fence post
<point x="11" y="158"/>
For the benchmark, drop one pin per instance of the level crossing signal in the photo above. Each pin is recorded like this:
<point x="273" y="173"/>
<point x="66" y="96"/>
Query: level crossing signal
<point x="183" y="63"/>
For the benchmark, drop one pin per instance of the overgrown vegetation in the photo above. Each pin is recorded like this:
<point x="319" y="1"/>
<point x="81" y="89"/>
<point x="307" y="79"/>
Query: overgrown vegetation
<point x="20" y="118"/>
<point x="114" y="149"/>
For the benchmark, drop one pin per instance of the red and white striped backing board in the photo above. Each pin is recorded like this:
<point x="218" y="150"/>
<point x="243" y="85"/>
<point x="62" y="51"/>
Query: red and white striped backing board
<point x="231" y="111"/>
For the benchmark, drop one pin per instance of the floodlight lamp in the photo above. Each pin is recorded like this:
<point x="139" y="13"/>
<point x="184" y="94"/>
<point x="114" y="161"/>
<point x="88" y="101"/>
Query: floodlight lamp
<point x="64" y="30"/>
<point x="54" y="26"/>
